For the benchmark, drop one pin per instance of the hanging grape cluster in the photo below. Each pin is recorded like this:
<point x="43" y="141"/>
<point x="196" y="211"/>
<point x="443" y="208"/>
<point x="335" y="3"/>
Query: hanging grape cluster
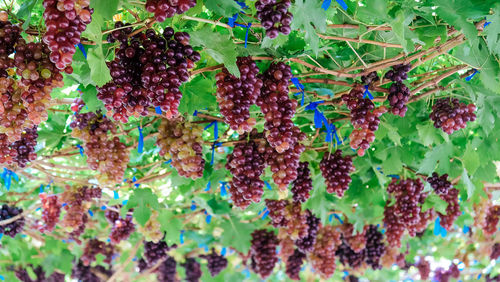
<point x="13" y="114"/>
<point x="105" y="153"/>
<point x="447" y="193"/>
<point x="121" y="227"/>
<point x="215" y="262"/>
<point x="263" y="252"/>
<point x="12" y="228"/>
<point x="51" y="211"/>
<point x="375" y="247"/>
<point x="491" y="221"/>
<point x="294" y="264"/>
<point x="277" y="212"/>
<point x="147" y="71"/>
<point x="288" y="215"/>
<point x="274" y="16"/>
<point x="495" y="251"/>
<point x="22" y="274"/>
<point x="450" y="115"/>
<point x="167" y="270"/>
<point x="77" y="203"/>
<point x="152" y="228"/>
<point x="164" y="9"/>
<point x="236" y="95"/>
<point x="306" y="244"/>
<point x="23" y="150"/>
<point x="65" y="21"/>
<point x="86" y="273"/>
<point x="336" y="169"/>
<point x="424" y="268"/>
<point x="365" y="118"/>
<point x="356" y="241"/>
<point x="303" y="184"/>
<point x="182" y="143"/>
<point x="399" y="93"/>
<point x="193" y="270"/>
<point x="348" y="257"/>
<point x="405" y="214"/>
<point x="95" y="247"/>
<point x="155" y="251"/>
<point x="322" y="257"/>
<point x="246" y="164"/>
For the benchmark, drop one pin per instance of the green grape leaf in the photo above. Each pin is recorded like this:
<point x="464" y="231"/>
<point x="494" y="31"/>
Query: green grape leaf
<point x="309" y="16"/>
<point x="197" y="94"/>
<point x="237" y="234"/>
<point x="106" y="9"/>
<point x="433" y="201"/>
<point x="142" y="201"/>
<point x="226" y="8"/>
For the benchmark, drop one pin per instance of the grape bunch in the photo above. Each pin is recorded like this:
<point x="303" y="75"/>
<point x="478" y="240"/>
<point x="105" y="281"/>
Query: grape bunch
<point x="13" y="114"/>
<point x="424" y="268"/>
<point x="286" y="245"/>
<point x="148" y="70"/>
<point x="356" y="241"/>
<point x="398" y="73"/>
<point x="41" y="276"/>
<point x="263" y="252"/>
<point x="65" y="21"/>
<point x="284" y="166"/>
<point x="492" y="218"/>
<point x="77" y="202"/>
<point x="495" y="251"/>
<point x="246" y="164"/>
<point x="182" y="143"/>
<point x="306" y="244"/>
<point x="9" y="35"/>
<point x="322" y="257"/>
<point x="106" y="154"/>
<point x="375" y="247"/>
<point x="277" y="212"/>
<point x="274" y="16"/>
<point x="94" y="247"/>
<point x="335" y="169"/>
<point x="215" y="262"/>
<point x="296" y="221"/>
<point x="450" y="115"/>
<point x="38" y="76"/>
<point x="23" y="150"/>
<point x="15" y="227"/>
<point x="348" y="257"/>
<point x="365" y="118"/>
<point x="86" y="273"/>
<point x="398" y="97"/>
<point x="294" y="264"/>
<point x="236" y="95"/>
<point x="452" y="210"/>
<point x="122" y="227"/>
<point x="51" y="211"/>
<point x="278" y="108"/>
<point x="405" y="214"/>
<point x="303" y="184"/>
<point x="155" y="251"/>
<point x="164" y="9"/>
<point x="369" y="78"/>
<point x="167" y="271"/>
<point x="152" y="228"/>
<point x="440" y="184"/>
<point x="193" y="270"/>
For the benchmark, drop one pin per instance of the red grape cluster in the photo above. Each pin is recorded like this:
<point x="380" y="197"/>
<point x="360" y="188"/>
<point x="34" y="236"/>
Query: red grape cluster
<point x="375" y="247"/>
<point x="495" y="251"/>
<point x="9" y="34"/>
<point x="51" y="211"/>
<point x="41" y="276"/>
<point x="424" y="268"/>
<point x="277" y="212"/>
<point x="182" y="143"/>
<point x="167" y="271"/>
<point x="146" y="72"/>
<point x="13" y="114"/>
<point x="286" y="245"/>
<point x="246" y="163"/>
<point x="236" y="95"/>
<point x="193" y="270"/>
<point x="104" y="153"/>
<point x="405" y="214"/>
<point x="306" y="244"/>
<point x="322" y="257"/>
<point x="274" y="16"/>
<point x="348" y="257"/>
<point x="450" y="115"/>
<point x="65" y="21"/>
<point x="365" y="118"/>
<point x="369" y="78"/>
<point x="263" y="252"/>
<point x="398" y="73"/>
<point x="278" y="108"/>
<point x="76" y="199"/>
<point x="452" y="210"/>
<point x="94" y="247"/>
<point x="303" y="184"/>
<point x="153" y="252"/>
<point x="15" y="227"/>
<point x="294" y="264"/>
<point x="491" y="221"/>
<point x="356" y="241"/>
<point x="86" y="273"/>
<point x="23" y="150"/>
<point x="336" y="169"/>
<point x="164" y="9"/>
<point x="289" y="215"/>
<point x="215" y="262"/>
<point x="441" y="275"/>
<point x="440" y="184"/>
<point x="122" y="227"/>
<point x="398" y="97"/>
<point x="285" y="165"/>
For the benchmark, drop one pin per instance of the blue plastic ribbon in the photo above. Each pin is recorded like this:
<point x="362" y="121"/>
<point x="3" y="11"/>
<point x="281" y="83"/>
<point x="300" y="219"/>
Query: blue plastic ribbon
<point x="466" y="229"/>
<point x="223" y="191"/>
<point x="244" y="26"/>
<point x="216" y="144"/>
<point x="268" y="185"/>
<point x="1" y="277"/>
<point x="208" y="186"/>
<point x="7" y="176"/>
<point x="265" y="215"/>
<point x="486" y="23"/>
<point x="64" y="204"/>
<point x="115" y="195"/>
<point x="208" y="218"/>
<point x="41" y="188"/>
<point x="181" y="237"/>
<point x="80" y="46"/>
<point x="140" y="147"/>
<point x="193" y="206"/>
<point x="103" y="208"/>
<point x="195" y="113"/>
<point x="134" y="179"/>
<point x="319" y="118"/>
<point x="124" y="202"/>
<point x="1" y="235"/>
<point x="471" y="76"/>
<point x="232" y="20"/>
<point x="216" y="129"/>
<point x="158" y="110"/>
<point x="326" y="4"/>
<point x="223" y="251"/>
<point x="367" y="93"/>
<point x="81" y="149"/>
<point x="342" y="4"/>
<point x="242" y="4"/>
<point x="91" y="213"/>
<point x="438" y="229"/>
<point x="299" y="86"/>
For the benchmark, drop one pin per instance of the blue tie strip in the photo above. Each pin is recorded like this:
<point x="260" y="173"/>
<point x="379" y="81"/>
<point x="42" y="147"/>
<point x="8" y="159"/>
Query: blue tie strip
<point x="223" y="191"/>
<point x="367" y="93"/>
<point x="158" y="110"/>
<point x="181" y="237"/>
<point x="208" y="186"/>
<point x="7" y="176"/>
<point x="342" y="4"/>
<point x="299" y="86"/>
<point x="268" y="185"/>
<point x="115" y="195"/>
<point x="140" y="147"/>
<point x="471" y="76"/>
<point x="326" y="4"/>
<point x="80" y="46"/>
<point x="81" y="149"/>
